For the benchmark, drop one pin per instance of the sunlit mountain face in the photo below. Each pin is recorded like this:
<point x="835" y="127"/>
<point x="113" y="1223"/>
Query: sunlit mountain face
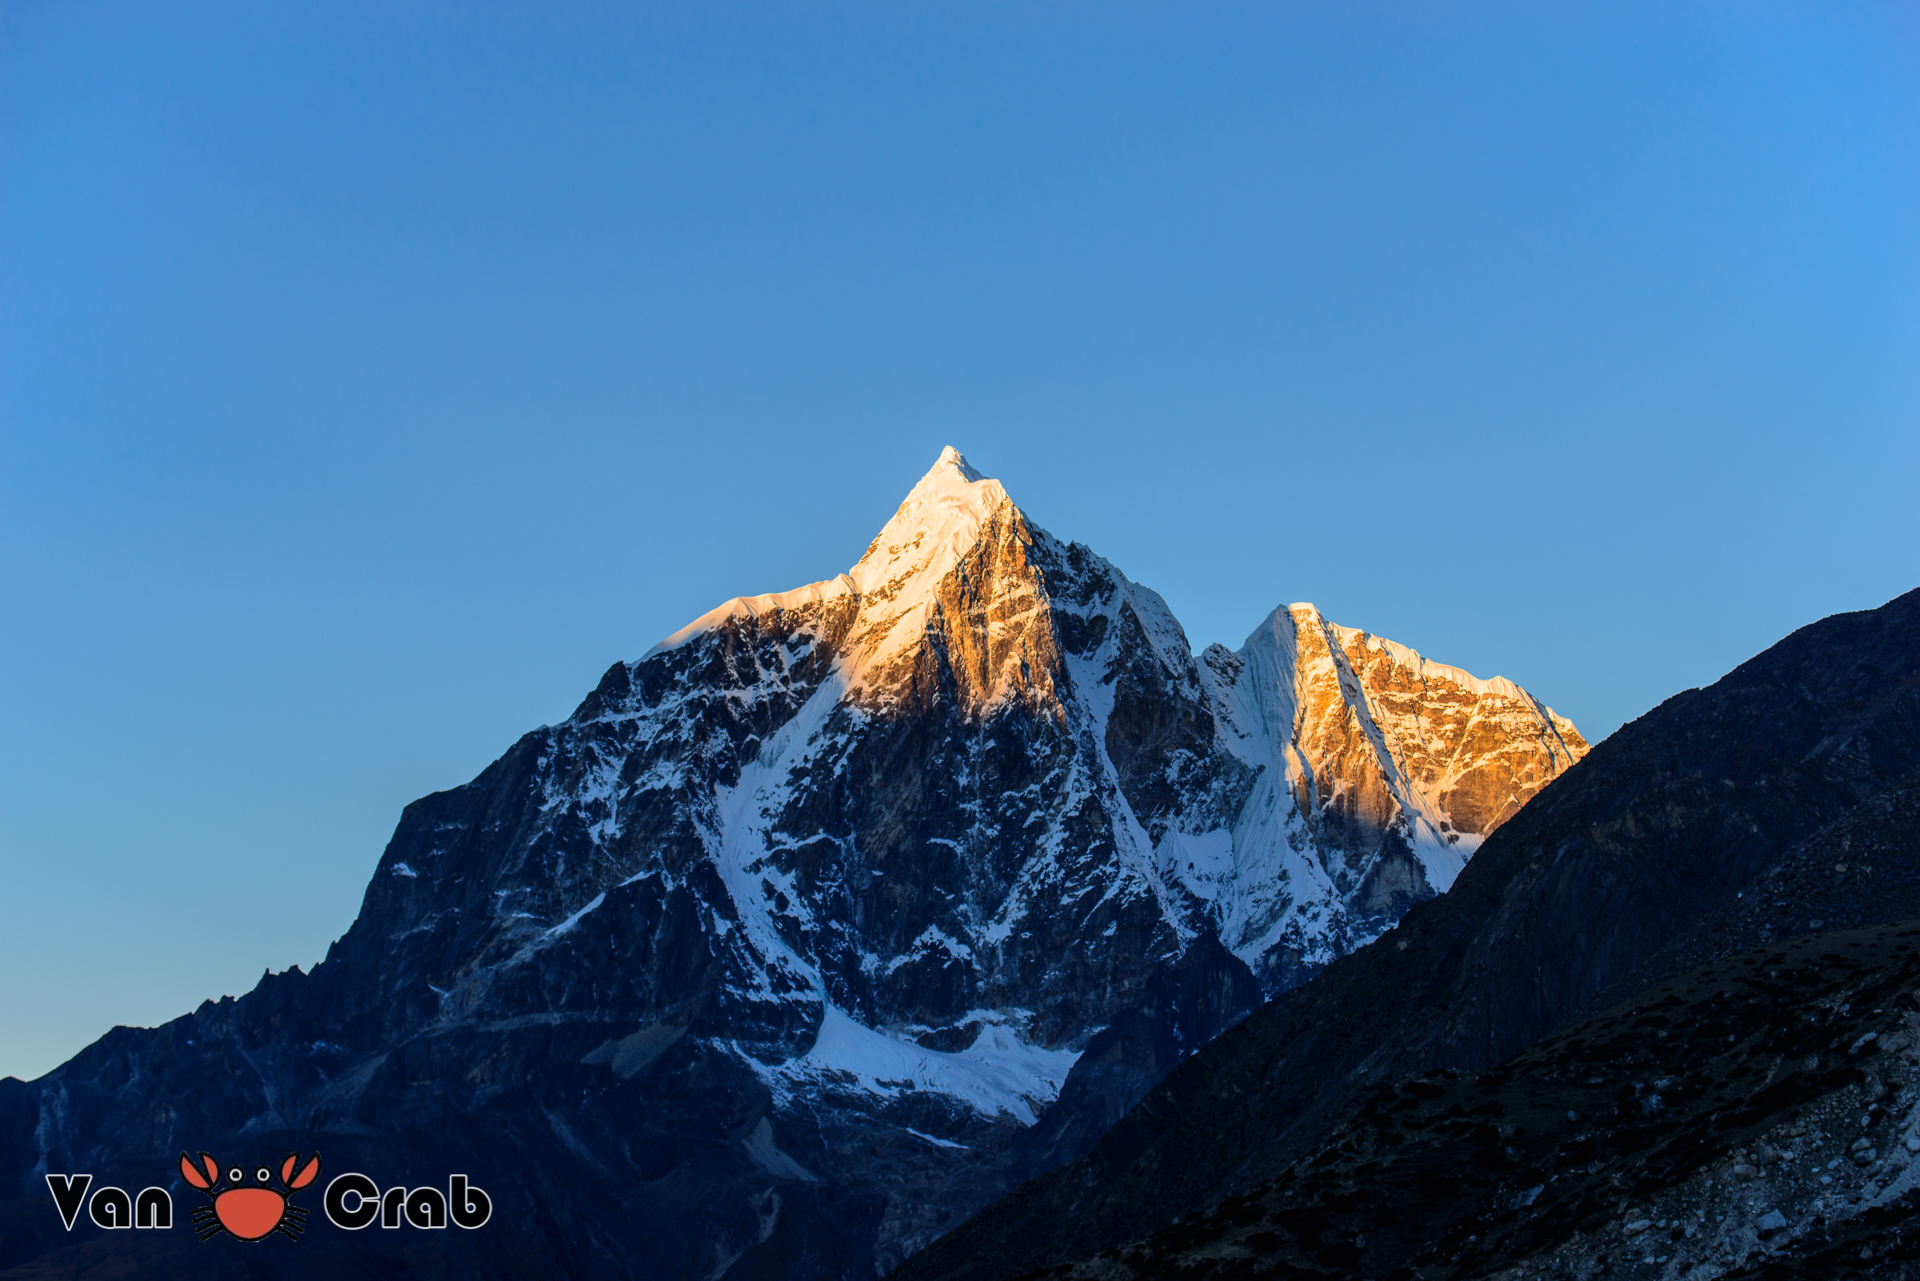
<point x="832" y="916"/>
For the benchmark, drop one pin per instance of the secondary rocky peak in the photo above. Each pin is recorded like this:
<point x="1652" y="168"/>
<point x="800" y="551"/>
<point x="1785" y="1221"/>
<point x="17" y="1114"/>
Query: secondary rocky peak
<point x="1377" y="773"/>
<point x="1465" y="752"/>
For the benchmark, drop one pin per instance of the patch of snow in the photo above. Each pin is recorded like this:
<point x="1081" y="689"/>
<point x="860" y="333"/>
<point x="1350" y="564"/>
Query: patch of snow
<point x="766" y="1154"/>
<point x="939" y="1143"/>
<point x="753" y="606"/>
<point x="574" y="920"/>
<point x="998" y="1073"/>
<point x="931" y="939"/>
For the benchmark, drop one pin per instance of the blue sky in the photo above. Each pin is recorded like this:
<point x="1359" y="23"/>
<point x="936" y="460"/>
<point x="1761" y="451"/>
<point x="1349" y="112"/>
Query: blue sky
<point x="373" y="376"/>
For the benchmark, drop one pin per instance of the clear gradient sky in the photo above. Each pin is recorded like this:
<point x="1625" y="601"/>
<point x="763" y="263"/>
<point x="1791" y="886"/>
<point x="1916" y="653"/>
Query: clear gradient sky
<point x="372" y="376"/>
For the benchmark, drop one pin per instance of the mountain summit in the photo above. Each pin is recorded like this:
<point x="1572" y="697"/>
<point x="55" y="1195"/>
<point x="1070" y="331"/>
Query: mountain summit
<point x="903" y="592"/>
<point x="836" y="911"/>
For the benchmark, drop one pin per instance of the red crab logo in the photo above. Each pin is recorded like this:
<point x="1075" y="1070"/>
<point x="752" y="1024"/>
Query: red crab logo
<point x="249" y="1211"/>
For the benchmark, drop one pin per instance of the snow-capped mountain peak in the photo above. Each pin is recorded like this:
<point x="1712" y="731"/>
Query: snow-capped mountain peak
<point x="939" y="521"/>
<point x="1293" y="796"/>
<point x="882" y="855"/>
<point x="890" y="597"/>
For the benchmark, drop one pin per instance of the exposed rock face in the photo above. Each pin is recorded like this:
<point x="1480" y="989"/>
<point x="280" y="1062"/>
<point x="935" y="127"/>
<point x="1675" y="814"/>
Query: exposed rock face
<point x="768" y="959"/>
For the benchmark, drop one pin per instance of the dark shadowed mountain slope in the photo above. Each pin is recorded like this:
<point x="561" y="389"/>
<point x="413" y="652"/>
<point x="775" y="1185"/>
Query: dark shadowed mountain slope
<point x="1694" y="832"/>
<point x="1756" y="1113"/>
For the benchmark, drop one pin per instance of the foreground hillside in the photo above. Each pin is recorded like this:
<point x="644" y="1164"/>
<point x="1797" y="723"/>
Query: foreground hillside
<point x="1759" y="1111"/>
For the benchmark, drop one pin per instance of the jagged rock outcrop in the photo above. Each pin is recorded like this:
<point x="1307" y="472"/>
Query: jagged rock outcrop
<point x="764" y="961"/>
